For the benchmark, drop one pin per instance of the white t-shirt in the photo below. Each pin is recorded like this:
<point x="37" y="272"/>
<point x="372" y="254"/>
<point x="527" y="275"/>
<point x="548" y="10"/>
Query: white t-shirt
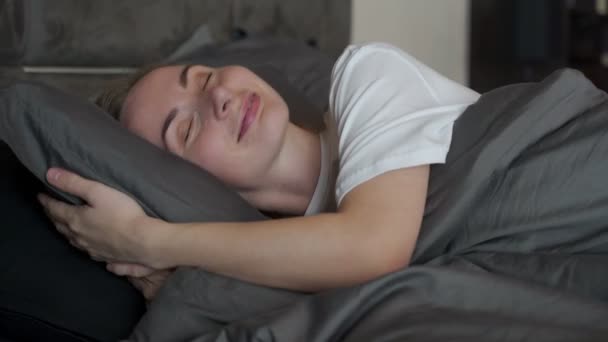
<point x="387" y="111"/>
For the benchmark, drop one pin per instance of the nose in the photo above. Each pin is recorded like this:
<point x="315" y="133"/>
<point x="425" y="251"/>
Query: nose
<point x="222" y="101"/>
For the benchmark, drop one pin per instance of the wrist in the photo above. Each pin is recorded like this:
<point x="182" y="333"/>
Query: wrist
<point x="154" y="235"/>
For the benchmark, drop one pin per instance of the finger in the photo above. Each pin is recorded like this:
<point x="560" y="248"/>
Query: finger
<point x="128" y="269"/>
<point x="96" y="257"/>
<point x="57" y="211"/>
<point x="54" y="220"/>
<point x="74" y="242"/>
<point x="43" y="200"/>
<point x="71" y="183"/>
<point x="63" y="229"/>
<point x="67" y="234"/>
<point x="136" y="282"/>
<point x="132" y="270"/>
<point x="143" y="286"/>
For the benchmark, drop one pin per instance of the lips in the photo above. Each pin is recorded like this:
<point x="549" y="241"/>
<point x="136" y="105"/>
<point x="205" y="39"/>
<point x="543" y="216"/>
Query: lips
<point x="250" y="107"/>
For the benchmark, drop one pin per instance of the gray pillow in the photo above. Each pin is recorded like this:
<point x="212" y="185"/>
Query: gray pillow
<point x="45" y="127"/>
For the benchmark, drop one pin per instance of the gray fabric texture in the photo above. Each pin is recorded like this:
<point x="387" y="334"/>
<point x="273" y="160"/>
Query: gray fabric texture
<point x="513" y="245"/>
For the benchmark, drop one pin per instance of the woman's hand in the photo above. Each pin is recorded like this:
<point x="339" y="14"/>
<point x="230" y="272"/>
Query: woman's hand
<point x="108" y="226"/>
<point x="150" y="284"/>
<point x="145" y="279"/>
<point x="130" y="270"/>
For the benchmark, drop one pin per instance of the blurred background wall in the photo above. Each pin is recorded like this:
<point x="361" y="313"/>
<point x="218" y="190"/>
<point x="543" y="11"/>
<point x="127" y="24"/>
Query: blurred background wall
<point x="489" y="43"/>
<point x="482" y="43"/>
<point x="434" y="31"/>
<point x="525" y="40"/>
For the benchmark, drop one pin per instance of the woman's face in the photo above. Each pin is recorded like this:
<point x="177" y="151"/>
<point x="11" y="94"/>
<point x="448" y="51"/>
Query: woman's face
<point x="226" y="120"/>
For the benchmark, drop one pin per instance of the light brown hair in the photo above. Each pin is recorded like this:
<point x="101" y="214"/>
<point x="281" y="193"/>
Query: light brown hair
<point x="112" y="99"/>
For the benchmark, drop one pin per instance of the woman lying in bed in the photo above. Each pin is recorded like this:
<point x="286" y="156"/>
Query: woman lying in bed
<point x="390" y="117"/>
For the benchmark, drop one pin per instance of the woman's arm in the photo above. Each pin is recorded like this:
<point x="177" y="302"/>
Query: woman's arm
<point x="373" y="233"/>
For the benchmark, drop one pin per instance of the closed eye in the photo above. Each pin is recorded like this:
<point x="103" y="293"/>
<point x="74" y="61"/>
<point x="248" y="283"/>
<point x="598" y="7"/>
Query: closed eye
<point x="207" y="81"/>
<point x="188" y="131"/>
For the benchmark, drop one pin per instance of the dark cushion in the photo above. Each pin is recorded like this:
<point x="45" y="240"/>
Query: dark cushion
<point x="48" y="290"/>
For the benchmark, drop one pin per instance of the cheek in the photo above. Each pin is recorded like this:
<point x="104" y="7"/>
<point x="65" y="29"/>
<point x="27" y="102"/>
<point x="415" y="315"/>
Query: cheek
<point x="211" y="153"/>
<point x="206" y="153"/>
<point x="277" y="105"/>
<point x="275" y="122"/>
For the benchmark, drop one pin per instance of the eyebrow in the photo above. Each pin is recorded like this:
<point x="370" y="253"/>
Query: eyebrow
<point x="183" y="76"/>
<point x="166" y="125"/>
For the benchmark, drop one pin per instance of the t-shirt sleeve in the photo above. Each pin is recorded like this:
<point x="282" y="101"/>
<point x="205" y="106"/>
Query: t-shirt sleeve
<point x="391" y="111"/>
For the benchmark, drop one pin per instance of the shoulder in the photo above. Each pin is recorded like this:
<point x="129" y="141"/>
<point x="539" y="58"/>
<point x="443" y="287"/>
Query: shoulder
<point x="391" y="72"/>
<point x="391" y="112"/>
<point x="373" y="57"/>
<point x="380" y="50"/>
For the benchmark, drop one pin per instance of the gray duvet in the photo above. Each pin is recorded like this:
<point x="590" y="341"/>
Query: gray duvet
<point x="513" y="247"/>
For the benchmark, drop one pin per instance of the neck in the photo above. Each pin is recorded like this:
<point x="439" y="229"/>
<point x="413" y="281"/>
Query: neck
<point x="291" y="182"/>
